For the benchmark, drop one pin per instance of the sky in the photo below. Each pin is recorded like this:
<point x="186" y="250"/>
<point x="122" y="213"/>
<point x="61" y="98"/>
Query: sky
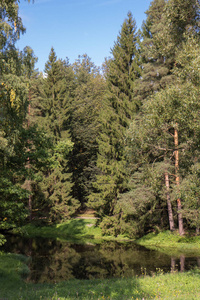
<point x="76" y="27"/>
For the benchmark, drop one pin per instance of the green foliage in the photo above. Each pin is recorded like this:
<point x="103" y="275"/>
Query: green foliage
<point x="52" y="184"/>
<point x="117" y="110"/>
<point x="11" y="27"/>
<point x="150" y="140"/>
<point x="2" y="240"/>
<point x="156" y="67"/>
<point x="182" y="16"/>
<point x="73" y="137"/>
<point x="190" y="189"/>
<point x="28" y="62"/>
<point x="110" y="226"/>
<point x="53" y="98"/>
<point x="13" y="107"/>
<point x="85" y="125"/>
<point x="13" y="103"/>
<point x="52" y="189"/>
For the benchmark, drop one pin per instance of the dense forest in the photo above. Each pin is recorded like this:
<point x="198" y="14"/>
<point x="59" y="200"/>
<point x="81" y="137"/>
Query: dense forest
<point x="122" y="139"/>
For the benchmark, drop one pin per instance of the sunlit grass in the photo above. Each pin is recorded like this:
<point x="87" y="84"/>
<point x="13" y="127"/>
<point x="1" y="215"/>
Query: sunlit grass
<point x="182" y="286"/>
<point x="72" y="230"/>
<point x="171" y="243"/>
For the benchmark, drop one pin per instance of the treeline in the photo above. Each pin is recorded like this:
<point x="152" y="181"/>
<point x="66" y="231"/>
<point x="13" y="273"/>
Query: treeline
<point x="122" y="139"/>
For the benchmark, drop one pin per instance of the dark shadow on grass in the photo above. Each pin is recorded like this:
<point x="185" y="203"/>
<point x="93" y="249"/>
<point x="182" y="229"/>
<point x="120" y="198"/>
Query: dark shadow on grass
<point x="75" y="230"/>
<point x="75" y="227"/>
<point x="72" y="231"/>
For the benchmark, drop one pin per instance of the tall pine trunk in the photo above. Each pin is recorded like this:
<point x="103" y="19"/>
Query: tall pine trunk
<point x="28" y="164"/>
<point x="179" y="206"/>
<point x="169" y="205"/>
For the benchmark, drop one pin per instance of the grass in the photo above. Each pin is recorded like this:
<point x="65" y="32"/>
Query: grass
<point x="76" y="229"/>
<point x="86" y="229"/>
<point x="13" y="268"/>
<point x="171" y="243"/>
<point x="159" y="286"/>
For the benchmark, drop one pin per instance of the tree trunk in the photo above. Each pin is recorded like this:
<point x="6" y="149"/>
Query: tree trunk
<point x="182" y="263"/>
<point x="169" y="205"/>
<point x="29" y="181"/>
<point x="179" y="206"/>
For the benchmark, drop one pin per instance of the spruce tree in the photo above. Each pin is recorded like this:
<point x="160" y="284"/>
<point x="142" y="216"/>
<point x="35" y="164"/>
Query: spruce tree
<point x="84" y="124"/>
<point x="118" y="109"/>
<point x="50" y="105"/>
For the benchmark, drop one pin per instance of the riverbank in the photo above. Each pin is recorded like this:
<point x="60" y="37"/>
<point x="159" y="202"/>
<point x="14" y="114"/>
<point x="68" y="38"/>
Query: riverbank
<point x="75" y="229"/>
<point x="158" y="286"/>
<point x="171" y="242"/>
<point x="86" y="229"/>
<point x="174" y="285"/>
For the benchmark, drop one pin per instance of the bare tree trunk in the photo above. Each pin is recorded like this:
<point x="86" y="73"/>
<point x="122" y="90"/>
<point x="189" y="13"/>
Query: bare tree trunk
<point x="29" y="181"/>
<point x="169" y="205"/>
<point x="179" y="206"/>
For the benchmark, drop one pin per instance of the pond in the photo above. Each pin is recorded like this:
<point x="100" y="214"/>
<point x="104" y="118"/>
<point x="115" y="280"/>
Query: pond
<point x="54" y="261"/>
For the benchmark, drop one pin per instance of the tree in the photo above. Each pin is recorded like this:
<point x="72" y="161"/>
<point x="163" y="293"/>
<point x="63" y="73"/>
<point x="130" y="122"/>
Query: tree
<point x="12" y="153"/>
<point x="162" y="34"/>
<point x="10" y="29"/>
<point x="117" y="111"/>
<point x="13" y="109"/>
<point x="84" y="125"/>
<point x="51" y="97"/>
<point x="190" y="194"/>
<point x="156" y="68"/>
<point x="168" y="128"/>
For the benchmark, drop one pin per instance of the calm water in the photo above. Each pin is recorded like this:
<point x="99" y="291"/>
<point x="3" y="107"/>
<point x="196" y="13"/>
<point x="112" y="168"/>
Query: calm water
<point x="53" y="261"/>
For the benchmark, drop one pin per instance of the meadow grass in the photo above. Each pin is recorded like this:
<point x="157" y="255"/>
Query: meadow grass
<point x="72" y="230"/>
<point x="171" y="242"/>
<point x="182" y="286"/>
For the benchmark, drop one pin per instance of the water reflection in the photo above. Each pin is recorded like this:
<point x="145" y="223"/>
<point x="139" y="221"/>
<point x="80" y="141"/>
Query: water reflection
<point x="54" y="261"/>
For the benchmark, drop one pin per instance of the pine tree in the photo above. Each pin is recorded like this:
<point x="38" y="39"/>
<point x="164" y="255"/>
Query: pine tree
<point x="166" y="134"/>
<point x="118" y="109"/>
<point x="162" y="34"/>
<point x="156" y="67"/>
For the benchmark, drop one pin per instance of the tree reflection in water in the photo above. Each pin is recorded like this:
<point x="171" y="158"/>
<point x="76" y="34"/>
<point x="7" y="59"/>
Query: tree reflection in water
<point x="54" y="261"/>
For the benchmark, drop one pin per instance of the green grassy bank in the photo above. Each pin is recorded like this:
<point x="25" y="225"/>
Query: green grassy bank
<point x="14" y="270"/>
<point x="159" y="286"/>
<point x="75" y="229"/>
<point x="171" y="243"/>
<point x="85" y="229"/>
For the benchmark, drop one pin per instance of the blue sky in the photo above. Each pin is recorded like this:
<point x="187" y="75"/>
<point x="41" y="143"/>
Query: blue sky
<point x="76" y="27"/>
